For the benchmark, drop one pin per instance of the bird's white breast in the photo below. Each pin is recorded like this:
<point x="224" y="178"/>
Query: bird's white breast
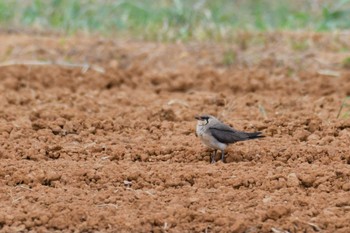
<point x="208" y="139"/>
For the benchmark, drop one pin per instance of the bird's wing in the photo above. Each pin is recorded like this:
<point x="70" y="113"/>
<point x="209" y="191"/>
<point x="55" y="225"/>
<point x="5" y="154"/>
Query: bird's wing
<point x="225" y="134"/>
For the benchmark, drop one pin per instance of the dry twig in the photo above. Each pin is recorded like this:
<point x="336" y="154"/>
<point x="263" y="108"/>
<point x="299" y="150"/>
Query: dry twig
<point x="84" y="67"/>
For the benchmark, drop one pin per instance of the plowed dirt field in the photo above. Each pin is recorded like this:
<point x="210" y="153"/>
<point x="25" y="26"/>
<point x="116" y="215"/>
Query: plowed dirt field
<point x="99" y="135"/>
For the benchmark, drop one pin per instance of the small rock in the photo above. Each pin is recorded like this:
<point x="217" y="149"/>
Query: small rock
<point x="346" y="187"/>
<point x="39" y="124"/>
<point x="307" y="179"/>
<point x="314" y="125"/>
<point x="313" y="138"/>
<point x="277" y="212"/>
<point x="69" y="127"/>
<point x="55" y="129"/>
<point x="292" y="180"/>
<point x="301" y="134"/>
<point x="221" y="221"/>
<point x="127" y="183"/>
<point x="144" y="157"/>
<point x="97" y="149"/>
<point x="236" y="183"/>
<point x="167" y="114"/>
<point x="267" y="199"/>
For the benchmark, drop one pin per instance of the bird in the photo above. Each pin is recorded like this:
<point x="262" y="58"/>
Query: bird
<point x="217" y="135"/>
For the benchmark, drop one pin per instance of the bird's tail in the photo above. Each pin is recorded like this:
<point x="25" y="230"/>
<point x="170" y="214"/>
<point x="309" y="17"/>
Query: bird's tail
<point x="255" y="135"/>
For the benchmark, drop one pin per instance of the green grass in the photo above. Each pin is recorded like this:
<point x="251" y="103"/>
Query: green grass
<point x="346" y="63"/>
<point x="229" y="57"/>
<point x="166" y="20"/>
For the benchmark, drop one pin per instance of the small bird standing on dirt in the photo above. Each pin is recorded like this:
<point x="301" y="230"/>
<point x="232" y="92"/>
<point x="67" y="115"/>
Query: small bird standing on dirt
<point x="217" y="135"/>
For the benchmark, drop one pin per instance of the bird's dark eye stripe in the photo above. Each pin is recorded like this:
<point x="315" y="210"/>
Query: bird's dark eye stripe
<point x="205" y="118"/>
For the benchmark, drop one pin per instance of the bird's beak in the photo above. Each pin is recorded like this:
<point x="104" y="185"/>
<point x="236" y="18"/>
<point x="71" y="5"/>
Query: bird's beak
<point x="197" y="117"/>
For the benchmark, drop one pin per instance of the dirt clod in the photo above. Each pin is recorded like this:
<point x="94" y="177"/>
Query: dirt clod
<point x="277" y="212"/>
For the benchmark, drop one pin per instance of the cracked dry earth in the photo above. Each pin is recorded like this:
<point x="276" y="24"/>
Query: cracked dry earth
<point x="111" y="147"/>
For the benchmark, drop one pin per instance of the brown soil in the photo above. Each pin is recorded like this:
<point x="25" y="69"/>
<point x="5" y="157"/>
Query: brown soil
<point x="111" y="147"/>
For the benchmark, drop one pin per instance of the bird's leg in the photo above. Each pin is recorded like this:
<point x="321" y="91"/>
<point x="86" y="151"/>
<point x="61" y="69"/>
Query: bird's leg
<point x="222" y="155"/>
<point x="213" y="157"/>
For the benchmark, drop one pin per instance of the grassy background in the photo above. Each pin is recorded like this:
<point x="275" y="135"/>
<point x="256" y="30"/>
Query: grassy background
<point x="168" y="20"/>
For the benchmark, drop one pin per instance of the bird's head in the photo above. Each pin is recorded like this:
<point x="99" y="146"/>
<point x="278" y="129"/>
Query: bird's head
<point x="204" y="119"/>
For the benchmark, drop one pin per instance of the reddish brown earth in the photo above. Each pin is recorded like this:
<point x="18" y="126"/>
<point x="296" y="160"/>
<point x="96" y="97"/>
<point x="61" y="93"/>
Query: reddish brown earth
<point x="111" y="147"/>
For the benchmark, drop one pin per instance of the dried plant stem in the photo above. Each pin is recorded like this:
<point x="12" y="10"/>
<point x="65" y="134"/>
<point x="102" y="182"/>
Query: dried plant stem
<point x="84" y="67"/>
